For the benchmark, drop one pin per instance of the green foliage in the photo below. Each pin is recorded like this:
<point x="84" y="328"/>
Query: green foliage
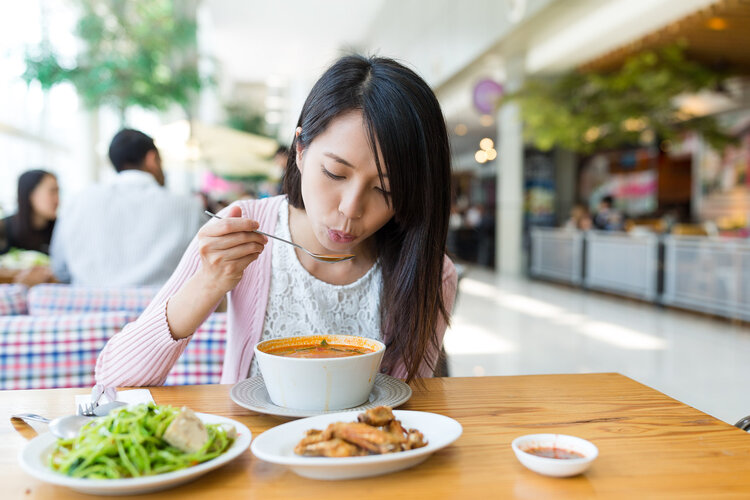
<point x="135" y="53"/>
<point x="239" y="118"/>
<point x="590" y="111"/>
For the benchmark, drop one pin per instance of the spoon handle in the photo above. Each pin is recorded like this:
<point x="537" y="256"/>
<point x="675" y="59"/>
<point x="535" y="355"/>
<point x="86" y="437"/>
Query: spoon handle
<point x="280" y="239"/>
<point x="260" y="232"/>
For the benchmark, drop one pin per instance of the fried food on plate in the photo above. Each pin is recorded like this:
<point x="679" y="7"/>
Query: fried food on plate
<point x="376" y="432"/>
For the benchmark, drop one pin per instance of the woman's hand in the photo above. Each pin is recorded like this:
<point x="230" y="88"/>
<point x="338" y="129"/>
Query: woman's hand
<point x="34" y="276"/>
<point x="227" y="247"/>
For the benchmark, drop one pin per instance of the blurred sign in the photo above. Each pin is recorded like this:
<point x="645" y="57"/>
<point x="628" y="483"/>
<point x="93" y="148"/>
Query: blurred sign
<point x="486" y="94"/>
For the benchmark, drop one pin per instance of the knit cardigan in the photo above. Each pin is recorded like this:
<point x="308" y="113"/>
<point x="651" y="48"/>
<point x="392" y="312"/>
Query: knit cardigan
<point x="144" y="351"/>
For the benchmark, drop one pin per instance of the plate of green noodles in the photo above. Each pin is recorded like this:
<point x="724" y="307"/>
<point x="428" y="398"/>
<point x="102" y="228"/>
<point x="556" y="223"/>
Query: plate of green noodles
<point x="124" y="453"/>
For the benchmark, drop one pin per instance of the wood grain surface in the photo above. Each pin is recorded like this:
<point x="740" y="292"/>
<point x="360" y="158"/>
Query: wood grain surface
<point x="650" y="446"/>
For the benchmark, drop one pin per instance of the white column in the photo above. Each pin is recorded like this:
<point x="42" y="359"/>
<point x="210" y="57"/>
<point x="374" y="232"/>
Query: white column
<point x="509" y="258"/>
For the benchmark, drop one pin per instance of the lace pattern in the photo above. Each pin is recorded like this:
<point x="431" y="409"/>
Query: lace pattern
<point x="301" y="304"/>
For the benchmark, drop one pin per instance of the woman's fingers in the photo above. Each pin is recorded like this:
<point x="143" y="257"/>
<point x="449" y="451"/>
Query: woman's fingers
<point x="232" y="222"/>
<point x="231" y="240"/>
<point x="234" y="253"/>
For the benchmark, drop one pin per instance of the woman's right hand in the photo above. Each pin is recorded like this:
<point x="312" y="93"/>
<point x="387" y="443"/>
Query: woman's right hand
<point x="227" y="247"/>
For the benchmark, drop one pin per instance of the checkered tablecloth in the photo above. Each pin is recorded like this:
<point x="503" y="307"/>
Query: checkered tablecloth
<point x="52" y="299"/>
<point x="13" y="299"/>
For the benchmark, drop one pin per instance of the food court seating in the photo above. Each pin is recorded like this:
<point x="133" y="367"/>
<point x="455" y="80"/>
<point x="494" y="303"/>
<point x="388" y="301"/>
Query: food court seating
<point x="51" y="336"/>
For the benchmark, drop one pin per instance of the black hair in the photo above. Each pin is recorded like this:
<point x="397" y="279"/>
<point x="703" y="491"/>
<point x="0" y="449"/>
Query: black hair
<point x="401" y="115"/>
<point x="27" y="183"/>
<point x="609" y="200"/>
<point x="128" y="149"/>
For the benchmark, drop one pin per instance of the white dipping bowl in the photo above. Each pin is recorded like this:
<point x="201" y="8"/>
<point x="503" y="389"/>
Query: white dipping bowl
<point x="320" y="383"/>
<point x="556" y="467"/>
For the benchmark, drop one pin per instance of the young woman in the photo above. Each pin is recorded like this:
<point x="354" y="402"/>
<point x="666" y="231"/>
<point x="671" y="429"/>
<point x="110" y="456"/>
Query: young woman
<point x="368" y="173"/>
<point x="31" y="227"/>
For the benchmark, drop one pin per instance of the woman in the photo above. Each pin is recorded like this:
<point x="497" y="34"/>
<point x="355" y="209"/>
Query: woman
<point x="31" y="227"/>
<point x="368" y="173"/>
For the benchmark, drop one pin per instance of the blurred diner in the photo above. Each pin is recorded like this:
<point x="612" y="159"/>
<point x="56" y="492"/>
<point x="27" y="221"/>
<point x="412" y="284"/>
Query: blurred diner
<point x="130" y="231"/>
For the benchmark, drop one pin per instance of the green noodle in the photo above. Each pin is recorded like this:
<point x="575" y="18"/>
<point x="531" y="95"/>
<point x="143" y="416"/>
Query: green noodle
<point x="128" y="443"/>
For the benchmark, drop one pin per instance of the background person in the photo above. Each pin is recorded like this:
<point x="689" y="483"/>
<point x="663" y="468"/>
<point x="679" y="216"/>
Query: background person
<point x="30" y="228"/>
<point x="127" y="232"/>
<point x="606" y="217"/>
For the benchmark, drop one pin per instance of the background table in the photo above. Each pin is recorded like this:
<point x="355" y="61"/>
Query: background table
<point x="651" y="446"/>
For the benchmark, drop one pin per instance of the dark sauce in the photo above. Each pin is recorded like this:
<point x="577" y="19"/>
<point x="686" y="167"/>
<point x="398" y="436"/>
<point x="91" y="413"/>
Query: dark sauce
<point x="548" y="452"/>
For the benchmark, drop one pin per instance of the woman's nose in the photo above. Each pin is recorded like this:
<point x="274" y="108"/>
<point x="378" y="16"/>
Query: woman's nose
<point x="352" y="203"/>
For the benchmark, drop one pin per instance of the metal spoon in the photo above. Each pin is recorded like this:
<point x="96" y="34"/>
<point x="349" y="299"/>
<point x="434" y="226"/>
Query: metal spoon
<point x="329" y="258"/>
<point x="64" y="427"/>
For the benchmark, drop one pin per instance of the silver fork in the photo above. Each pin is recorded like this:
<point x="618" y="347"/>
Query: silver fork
<point x="87" y="410"/>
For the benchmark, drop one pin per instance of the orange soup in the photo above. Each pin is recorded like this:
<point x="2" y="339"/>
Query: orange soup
<point x="319" y="350"/>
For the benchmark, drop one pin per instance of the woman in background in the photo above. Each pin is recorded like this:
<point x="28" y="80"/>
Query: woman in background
<point x="31" y="227"/>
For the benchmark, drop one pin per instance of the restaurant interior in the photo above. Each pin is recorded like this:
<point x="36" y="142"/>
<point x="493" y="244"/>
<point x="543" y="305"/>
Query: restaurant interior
<point x="597" y="233"/>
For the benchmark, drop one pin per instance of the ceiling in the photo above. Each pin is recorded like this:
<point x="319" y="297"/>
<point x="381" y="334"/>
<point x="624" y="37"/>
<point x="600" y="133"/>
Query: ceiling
<point x="718" y="35"/>
<point x="253" y="41"/>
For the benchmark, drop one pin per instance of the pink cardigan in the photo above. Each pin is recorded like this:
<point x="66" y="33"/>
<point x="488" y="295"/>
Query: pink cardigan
<point x="144" y="351"/>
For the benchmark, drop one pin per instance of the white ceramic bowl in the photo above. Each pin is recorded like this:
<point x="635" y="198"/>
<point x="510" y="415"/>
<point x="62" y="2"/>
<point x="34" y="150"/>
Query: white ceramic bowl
<point x="322" y="383"/>
<point x="555" y="467"/>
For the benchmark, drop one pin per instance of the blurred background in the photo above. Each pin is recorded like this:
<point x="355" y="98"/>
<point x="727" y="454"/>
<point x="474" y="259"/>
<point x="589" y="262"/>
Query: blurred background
<point x="598" y="145"/>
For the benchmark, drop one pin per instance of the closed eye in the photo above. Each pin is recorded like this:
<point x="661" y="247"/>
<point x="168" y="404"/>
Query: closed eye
<point x="330" y="174"/>
<point x="383" y="191"/>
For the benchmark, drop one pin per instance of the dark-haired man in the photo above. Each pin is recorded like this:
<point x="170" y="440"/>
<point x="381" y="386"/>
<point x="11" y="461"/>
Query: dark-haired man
<point x="129" y="231"/>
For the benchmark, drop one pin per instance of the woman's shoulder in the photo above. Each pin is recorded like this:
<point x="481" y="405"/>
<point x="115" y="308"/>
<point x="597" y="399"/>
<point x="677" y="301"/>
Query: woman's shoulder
<point x="450" y="275"/>
<point x="256" y="208"/>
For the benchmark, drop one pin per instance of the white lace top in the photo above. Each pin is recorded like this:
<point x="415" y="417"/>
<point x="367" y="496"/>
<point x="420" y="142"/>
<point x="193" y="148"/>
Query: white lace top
<point x="301" y="304"/>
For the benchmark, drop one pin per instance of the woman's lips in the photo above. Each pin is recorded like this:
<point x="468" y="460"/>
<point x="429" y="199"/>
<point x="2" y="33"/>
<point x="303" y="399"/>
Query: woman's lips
<point x="340" y="237"/>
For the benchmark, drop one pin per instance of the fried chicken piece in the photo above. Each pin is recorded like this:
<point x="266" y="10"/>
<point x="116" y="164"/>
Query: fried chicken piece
<point x="377" y="417"/>
<point x="365" y="436"/>
<point x="312" y="436"/>
<point x="331" y="448"/>
<point x="395" y="427"/>
<point x="414" y="439"/>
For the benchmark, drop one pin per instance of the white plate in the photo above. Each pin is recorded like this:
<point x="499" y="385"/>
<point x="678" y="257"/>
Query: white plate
<point x="276" y="445"/>
<point x="33" y="459"/>
<point x="251" y="393"/>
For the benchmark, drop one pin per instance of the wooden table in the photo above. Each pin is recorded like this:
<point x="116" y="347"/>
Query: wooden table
<point x="651" y="446"/>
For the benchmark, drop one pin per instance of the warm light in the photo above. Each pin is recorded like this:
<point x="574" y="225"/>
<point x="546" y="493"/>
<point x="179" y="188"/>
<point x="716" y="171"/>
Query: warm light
<point x="717" y="24"/>
<point x="486" y="144"/>
<point x="647" y="136"/>
<point x="461" y="129"/>
<point x="486" y="120"/>
<point x="192" y="150"/>
<point x="481" y="156"/>
<point x="491" y="154"/>
<point x="634" y="124"/>
<point x="592" y="134"/>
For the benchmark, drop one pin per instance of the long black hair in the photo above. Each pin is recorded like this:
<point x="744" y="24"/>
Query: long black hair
<point x="402" y="116"/>
<point x="27" y="183"/>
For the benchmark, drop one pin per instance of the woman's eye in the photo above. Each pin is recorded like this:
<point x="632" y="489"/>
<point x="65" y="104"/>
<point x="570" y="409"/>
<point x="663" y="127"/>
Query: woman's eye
<point x="382" y="191"/>
<point x="331" y="174"/>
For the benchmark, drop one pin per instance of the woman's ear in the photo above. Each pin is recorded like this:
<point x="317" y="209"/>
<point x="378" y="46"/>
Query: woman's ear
<point x="298" y="149"/>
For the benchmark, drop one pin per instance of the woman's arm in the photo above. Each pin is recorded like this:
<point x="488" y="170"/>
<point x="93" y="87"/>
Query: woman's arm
<point x="145" y="350"/>
<point x="226" y="247"/>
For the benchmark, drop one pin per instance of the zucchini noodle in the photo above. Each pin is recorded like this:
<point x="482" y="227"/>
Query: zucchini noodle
<point x="128" y="443"/>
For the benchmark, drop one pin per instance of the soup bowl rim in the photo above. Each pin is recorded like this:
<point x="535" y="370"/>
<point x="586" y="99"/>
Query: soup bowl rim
<point x="381" y="347"/>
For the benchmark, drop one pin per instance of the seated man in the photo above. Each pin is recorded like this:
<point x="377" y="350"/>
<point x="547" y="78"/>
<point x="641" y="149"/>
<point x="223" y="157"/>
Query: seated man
<point x="130" y="231"/>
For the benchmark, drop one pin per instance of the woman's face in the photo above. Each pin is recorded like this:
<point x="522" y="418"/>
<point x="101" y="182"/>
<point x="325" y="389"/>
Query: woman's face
<point x="45" y="198"/>
<point x="344" y="200"/>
